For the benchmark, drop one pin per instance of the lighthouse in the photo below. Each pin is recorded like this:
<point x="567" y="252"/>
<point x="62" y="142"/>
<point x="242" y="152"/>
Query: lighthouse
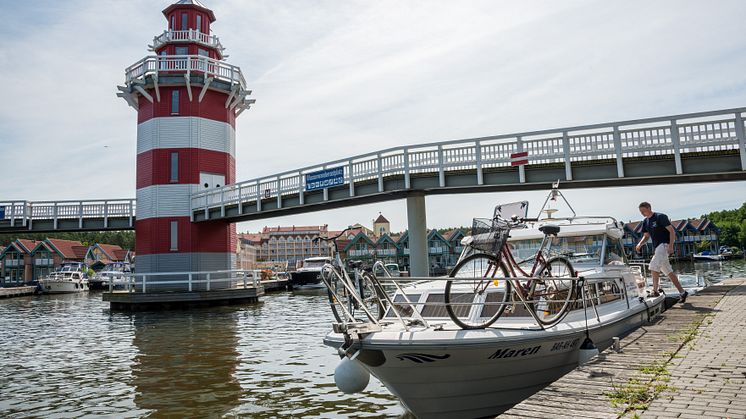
<point x="187" y="99"/>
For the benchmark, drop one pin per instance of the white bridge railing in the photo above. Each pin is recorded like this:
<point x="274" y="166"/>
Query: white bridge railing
<point x="189" y="35"/>
<point x="165" y="65"/>
<point x="190" y="281"/>
<point x="24" y="213"/>
<point x="721" y="130"/>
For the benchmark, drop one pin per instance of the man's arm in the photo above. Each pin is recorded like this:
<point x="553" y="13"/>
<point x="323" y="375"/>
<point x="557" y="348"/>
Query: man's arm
<point x="671" y="238"/>
<point x="645" y="238"/>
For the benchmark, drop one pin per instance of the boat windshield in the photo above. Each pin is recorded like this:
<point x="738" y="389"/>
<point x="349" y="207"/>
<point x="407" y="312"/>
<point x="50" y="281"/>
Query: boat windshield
<point x="314" y="263"/>
<point x="585" y="250"/>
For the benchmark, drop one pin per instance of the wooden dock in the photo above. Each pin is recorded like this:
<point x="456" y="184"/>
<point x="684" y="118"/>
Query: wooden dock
<point x="688" y="363"/>
<point x="17" y="291"/>
<point x="274" y="285"/>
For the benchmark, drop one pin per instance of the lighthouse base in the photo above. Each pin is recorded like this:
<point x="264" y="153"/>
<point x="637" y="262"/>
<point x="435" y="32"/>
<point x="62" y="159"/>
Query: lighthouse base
<point x="129" y="301"/>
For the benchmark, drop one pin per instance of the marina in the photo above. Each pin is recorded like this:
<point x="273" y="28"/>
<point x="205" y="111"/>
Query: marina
<point x="252" y="273"/>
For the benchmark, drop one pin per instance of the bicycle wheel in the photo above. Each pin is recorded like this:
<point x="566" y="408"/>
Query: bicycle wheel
<point x="477" y="300"/>
<point x="553" y="292"/>
<point x="371" y="295"/>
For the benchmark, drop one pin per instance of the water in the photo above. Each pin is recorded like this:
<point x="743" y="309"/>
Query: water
<point x="69" y="356"/>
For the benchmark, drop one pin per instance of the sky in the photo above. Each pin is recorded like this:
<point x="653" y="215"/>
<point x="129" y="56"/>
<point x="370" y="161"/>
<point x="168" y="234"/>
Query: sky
<point x="333" y="79"/>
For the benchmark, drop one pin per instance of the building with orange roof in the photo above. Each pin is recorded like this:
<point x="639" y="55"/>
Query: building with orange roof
<point x="18" y="266"/>
<point x="99" y="255"/>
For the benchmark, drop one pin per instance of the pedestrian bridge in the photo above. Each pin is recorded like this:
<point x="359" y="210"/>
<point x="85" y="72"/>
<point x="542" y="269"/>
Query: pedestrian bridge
<point x="44" y="216"/>
<point x="697" y="147"/>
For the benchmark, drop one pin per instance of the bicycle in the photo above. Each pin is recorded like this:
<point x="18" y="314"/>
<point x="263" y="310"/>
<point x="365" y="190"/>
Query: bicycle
<point x="478" y="300"/>
<point x="340" y="287"/>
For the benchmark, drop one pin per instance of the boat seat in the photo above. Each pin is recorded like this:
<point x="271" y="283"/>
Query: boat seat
<point x="550" y="229"/>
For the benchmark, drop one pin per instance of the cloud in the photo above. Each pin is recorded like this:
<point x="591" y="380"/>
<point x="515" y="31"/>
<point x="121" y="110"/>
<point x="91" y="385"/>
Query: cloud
<point x="335" y="79"/>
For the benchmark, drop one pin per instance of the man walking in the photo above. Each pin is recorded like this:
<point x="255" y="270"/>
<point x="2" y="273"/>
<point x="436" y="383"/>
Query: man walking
<point x="659" y="228"/>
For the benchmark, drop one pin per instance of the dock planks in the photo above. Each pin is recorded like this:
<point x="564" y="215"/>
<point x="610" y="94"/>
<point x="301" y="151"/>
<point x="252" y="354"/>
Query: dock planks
<point x="645" y="371"/>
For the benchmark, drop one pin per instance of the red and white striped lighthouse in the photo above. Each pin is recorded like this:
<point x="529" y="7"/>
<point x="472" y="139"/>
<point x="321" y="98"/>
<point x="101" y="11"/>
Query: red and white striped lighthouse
<point x="187" y="99"/>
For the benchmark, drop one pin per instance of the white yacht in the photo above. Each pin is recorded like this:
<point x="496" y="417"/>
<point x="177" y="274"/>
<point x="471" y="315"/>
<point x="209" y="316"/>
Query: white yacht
<point x="308" y="276"/>
<point x="439" y="370"/>
<point x="114" y="274"/>
<point x="68" y="278"/>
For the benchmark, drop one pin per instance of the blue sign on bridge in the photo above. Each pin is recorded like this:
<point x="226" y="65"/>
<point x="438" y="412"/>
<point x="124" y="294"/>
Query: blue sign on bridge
<point x="325" y="178"/>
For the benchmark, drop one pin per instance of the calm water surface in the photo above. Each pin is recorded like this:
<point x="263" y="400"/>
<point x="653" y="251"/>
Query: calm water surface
<point x="69" y="356"/>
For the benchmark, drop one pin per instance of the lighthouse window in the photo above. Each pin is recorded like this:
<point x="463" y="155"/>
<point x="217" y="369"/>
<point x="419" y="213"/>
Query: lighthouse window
<point x="199" y="23"/>
<point x="174" y="235"/>
<point x="174" y="167"/>
<point x="175" y="102"/>
<point x="183" y="21"/>
<point x="173" y="23"/>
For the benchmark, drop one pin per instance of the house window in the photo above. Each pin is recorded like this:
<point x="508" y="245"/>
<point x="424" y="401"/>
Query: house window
<point x="174" y="166"/>
<point x="184" y="21"/>
<point x="175" y="102"/>
<point x="199" y="23"/>
<point x="174" y="236"/>
<point x="173" y="23"/>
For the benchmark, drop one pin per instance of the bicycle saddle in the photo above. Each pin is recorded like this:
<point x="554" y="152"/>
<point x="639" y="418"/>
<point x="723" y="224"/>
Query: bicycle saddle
<point x="550" y="229"/>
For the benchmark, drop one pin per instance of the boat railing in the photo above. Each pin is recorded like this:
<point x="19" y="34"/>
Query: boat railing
<point x="394" y="296"/>
<point x="189" y="281"/>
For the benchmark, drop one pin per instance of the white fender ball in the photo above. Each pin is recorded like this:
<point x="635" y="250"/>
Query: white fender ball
<point x="350" y="376"/>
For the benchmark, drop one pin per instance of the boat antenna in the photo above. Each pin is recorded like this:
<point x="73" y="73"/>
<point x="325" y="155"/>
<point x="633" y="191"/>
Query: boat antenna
<point x="553" y="195"/>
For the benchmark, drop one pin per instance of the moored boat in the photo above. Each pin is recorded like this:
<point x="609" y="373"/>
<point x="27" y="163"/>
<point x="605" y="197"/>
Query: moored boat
<point x="68" y="278"/>
<point x="439" y="370"/>
<point x="308" y="276"/>
<point x="707" y="256"/>
<point x="113" y="275"/>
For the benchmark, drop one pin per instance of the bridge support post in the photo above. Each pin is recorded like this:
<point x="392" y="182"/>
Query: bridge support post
<point x="676" y="146"/>
<point x="417" y="226"/>
<point x="521" y="168"/>
<point x="618" y="152"/>
<point x="566" y="151"/>
<point x="741" y="139"/>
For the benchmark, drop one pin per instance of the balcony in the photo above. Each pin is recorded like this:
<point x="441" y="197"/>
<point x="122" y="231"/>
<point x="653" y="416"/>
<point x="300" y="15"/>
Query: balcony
<point x="169" y="65"/>
<point x="190" y="36"/>
<point x="386" y="252"/>
<point x="361" y="253"/>
<point x="43" y="262"/>
<point x="437" y="250"/>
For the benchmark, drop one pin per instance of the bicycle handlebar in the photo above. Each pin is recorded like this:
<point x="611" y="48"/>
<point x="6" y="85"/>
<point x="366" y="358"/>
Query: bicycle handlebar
<point x="328" y="239"/>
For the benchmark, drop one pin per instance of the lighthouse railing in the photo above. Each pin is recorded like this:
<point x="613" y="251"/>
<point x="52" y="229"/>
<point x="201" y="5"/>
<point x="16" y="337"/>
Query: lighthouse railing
<point x="169" y="64"/>
<point x="189" y="35"/>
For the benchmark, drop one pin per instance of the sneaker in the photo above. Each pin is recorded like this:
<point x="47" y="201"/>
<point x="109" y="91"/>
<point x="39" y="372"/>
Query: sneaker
<point x="682" y="297"/>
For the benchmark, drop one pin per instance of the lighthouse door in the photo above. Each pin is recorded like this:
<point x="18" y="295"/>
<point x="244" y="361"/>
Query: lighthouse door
<point x="211" y="180"/>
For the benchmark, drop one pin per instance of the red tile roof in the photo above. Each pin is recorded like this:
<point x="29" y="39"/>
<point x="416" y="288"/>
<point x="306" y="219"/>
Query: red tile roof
<point x="111" y="251"/>
<point x="251" y="237"/>
<point x="69" y="249"/>
<point x="280" y="229"/>
<point x="27" y="244"/>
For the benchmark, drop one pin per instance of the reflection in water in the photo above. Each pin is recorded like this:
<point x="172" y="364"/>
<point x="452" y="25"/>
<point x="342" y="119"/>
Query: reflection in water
<point x="185" y="362"/>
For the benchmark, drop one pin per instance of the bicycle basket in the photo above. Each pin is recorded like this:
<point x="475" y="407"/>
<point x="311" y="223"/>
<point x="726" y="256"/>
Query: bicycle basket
<point x="489" y="235"/>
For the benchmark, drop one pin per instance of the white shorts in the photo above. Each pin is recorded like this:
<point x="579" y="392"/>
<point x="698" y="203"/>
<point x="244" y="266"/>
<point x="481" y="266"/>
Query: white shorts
<point x="659" y="262"/>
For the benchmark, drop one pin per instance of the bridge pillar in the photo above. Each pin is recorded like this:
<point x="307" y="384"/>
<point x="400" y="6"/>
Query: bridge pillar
<point x="417" y="226"/>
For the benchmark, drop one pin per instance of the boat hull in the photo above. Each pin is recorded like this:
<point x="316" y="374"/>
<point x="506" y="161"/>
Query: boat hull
<point x="62" y="287"/>
<point x="474" y="380"/>
<point x="306" y="280"/>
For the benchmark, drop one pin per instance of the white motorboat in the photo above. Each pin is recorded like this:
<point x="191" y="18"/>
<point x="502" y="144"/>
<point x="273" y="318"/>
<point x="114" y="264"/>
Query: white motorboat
<point x="308" y="276"/>
<point x="439" y="370"/>
<point x="706" y="256"/>
<point x="68" y="278"/>
<point x="113" y="275"/>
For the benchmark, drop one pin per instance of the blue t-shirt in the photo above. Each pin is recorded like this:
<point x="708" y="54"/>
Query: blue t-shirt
<point x="656" y="226"/>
